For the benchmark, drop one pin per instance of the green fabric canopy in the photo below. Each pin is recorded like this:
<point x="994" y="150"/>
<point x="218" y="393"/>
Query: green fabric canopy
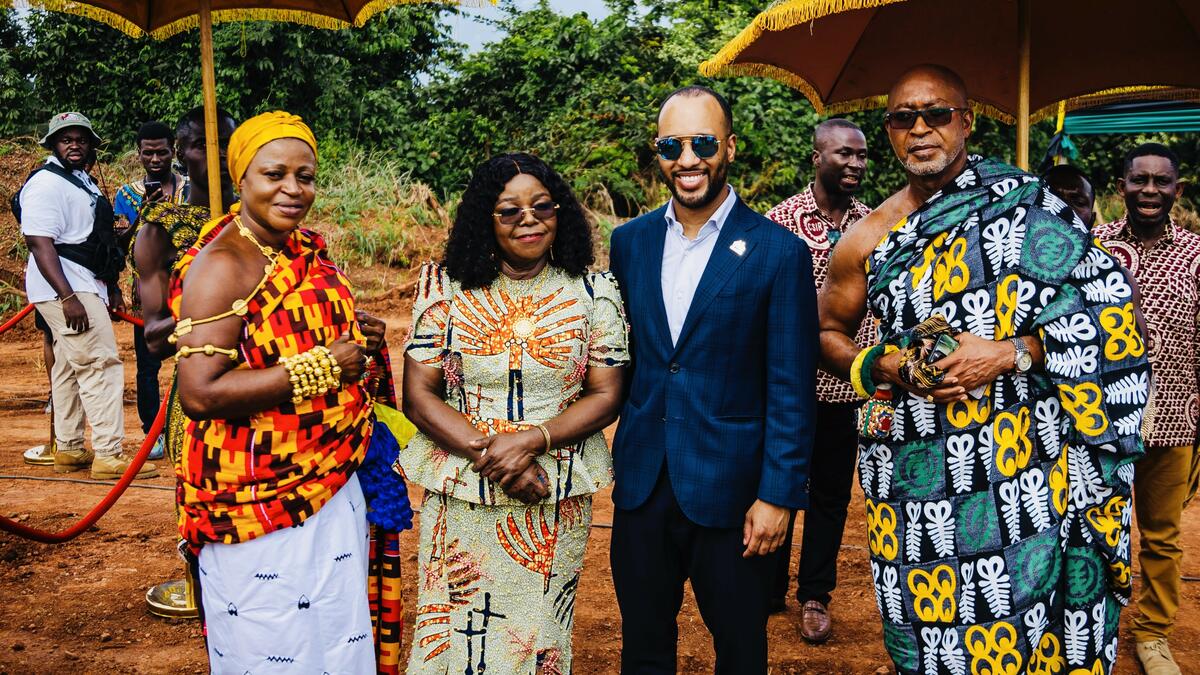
<point x="1128" y="118"/>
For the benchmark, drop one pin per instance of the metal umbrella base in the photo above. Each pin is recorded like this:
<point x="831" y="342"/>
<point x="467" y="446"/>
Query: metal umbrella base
<point x="173" y="599"/>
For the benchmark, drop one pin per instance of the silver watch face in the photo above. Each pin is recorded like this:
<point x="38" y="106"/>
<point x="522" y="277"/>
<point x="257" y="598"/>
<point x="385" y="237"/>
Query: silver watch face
<point x="1024" y="362"/>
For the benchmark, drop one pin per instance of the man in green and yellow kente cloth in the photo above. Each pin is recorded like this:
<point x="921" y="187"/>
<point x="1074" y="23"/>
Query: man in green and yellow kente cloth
<point x="1014" y="374"/>
<point x="163" y="231"/>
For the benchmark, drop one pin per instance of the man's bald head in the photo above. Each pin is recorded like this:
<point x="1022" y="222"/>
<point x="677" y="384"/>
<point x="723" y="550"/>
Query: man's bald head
<point x="933" y="77"/>
<point x="823" y="132"/>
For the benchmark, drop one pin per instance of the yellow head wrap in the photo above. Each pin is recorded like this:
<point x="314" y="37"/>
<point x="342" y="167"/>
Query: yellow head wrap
<point x="260" y="130"/>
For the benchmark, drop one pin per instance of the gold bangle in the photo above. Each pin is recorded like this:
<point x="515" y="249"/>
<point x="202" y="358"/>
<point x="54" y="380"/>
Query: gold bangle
<point x="856" y="374"/>
<point x="546" y="434"/>
<point x="207" y="350"/>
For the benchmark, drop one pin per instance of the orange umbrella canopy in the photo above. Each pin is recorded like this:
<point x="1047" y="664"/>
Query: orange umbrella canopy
<point x="845" y="54"/>
<point x="164" y="18"/>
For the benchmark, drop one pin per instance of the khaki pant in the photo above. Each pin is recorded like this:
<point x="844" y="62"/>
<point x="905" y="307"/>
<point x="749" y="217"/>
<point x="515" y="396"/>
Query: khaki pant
<point x="1165" y="480"/>
<point x="87" y="378"/>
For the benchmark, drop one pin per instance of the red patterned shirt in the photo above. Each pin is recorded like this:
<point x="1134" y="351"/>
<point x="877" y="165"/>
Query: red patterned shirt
<point x="804" y="218"/>
<point x="1168" y="276"/>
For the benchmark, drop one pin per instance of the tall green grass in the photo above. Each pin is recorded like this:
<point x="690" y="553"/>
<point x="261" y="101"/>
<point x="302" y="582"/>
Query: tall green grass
<point x="372" y="211"/>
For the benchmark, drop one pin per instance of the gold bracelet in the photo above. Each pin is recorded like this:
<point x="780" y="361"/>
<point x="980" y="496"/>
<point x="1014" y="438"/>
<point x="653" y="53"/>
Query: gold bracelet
<point x="312" y="373"/>
<point x="207" y="350"/>
<point x="546" y="434"/>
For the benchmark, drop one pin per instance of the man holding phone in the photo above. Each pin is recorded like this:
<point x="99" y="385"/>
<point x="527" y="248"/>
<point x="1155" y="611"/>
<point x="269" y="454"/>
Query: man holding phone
<point x="156" y="150"/>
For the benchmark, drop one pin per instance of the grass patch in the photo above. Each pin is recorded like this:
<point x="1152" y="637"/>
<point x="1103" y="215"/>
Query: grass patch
<point x="372" y="211"/>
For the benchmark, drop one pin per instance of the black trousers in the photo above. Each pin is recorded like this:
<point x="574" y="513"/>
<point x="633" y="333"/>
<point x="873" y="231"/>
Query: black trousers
<point x="655" y="548"/>
<point x="148" y="365"/>
<point x="830" y="477"/>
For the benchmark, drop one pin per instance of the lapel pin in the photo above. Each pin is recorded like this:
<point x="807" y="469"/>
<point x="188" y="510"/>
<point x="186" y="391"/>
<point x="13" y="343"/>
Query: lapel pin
<point x="738" y="247"/>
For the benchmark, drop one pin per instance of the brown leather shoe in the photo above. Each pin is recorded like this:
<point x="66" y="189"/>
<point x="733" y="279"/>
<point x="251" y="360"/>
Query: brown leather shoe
<point x="814" y="622"/>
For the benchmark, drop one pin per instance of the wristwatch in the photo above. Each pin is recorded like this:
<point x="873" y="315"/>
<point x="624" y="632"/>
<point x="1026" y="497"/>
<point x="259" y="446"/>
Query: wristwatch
<point x="1023" y="360"/>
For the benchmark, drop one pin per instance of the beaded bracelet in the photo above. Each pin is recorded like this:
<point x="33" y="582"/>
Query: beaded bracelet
<point x="312" y="373"/>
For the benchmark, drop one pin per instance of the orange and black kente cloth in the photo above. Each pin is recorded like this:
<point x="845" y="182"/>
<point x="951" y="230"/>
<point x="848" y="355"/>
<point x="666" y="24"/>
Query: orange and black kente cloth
<point x="240" y="479"/>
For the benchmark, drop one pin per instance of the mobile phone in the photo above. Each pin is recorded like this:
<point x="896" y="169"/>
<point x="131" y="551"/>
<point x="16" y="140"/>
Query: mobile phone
<point x="152" y="186"/>
<point x="942" y="347"/>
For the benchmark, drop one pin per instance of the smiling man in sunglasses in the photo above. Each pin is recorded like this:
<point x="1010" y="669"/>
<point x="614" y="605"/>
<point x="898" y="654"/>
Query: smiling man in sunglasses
<point x="1014" y="377"/>
<point x="711" y="454"/>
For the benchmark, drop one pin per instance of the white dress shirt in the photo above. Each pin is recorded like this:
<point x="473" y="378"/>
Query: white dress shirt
<point x="52" y="207"/>
<point x="684" y="261"/>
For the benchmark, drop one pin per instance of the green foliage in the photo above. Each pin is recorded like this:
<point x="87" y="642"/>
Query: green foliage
<point x="358" y="84"/>
<point x="398" y="105"/>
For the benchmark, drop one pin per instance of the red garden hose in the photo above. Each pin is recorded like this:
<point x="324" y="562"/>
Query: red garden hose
<point x="16" y="319"/>
<point x="135" y="465"/>
<point x="7" y="326"/>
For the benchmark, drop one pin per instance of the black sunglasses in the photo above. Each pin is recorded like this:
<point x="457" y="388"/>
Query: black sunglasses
<point x="515" y="214"/>
<point x="934" y="117"/>
<point x="670" y="148"/>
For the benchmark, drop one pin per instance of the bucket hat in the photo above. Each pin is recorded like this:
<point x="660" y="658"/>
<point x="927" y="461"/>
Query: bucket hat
<point x="68" y="119"/>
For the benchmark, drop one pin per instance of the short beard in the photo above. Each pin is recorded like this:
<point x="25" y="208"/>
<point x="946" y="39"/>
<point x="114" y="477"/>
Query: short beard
<point x="69" y="166"/>
<point x="716" y="184"/>
<point x="932" y="167"/>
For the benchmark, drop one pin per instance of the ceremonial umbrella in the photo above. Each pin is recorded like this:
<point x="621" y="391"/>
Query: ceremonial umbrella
<point x="163" y="18"/>
<point x="1017" y="56"/>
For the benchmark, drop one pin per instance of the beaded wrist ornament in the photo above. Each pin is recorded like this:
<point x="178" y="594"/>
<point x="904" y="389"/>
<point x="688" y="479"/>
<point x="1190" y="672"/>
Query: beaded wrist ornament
<point x="312" y="373"/>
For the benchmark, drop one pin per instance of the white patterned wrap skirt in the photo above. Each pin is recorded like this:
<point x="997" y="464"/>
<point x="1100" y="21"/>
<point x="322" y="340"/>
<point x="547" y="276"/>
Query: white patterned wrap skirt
<point x="295" y="600"/>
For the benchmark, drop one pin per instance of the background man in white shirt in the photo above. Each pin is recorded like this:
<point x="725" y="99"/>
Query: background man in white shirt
<point x="60" y="205"/>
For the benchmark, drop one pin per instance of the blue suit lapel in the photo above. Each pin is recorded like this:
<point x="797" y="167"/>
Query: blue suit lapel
<point x="721" y="266"/>
<point x="650" y="250"/>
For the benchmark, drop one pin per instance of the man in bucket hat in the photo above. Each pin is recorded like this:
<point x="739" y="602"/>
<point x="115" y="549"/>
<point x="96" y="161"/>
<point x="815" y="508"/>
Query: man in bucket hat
<point x="71" y="278"/>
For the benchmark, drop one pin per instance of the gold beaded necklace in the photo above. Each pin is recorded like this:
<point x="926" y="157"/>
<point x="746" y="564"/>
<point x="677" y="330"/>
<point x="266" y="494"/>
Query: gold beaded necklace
<point x="271" y="254"/>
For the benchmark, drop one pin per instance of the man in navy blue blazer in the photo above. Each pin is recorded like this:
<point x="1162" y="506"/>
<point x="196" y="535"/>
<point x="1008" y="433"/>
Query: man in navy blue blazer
<point x="711" y="453"/>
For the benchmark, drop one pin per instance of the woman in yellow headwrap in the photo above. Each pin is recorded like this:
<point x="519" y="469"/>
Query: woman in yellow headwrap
<point x="271" y="362"/>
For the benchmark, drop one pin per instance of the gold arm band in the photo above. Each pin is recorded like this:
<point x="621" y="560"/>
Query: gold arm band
<point x="546" y="434"/>
<point x="207" y="350"/>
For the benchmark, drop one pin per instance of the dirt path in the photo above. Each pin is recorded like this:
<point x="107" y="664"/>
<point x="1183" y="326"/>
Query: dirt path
<point x="79" y="607"/>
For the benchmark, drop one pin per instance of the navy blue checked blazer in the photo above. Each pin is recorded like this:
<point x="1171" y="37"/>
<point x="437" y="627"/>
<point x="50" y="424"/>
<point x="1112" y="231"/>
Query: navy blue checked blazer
<point x="730" y="408"/>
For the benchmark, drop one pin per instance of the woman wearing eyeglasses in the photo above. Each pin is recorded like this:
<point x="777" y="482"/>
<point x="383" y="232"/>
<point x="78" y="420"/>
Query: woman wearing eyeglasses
<point x="514" y="367"/>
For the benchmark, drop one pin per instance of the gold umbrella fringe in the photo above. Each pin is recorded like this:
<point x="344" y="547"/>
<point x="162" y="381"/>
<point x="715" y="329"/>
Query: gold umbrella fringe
<point x="191" y="22"/>
<point x="1119" y="95"/>
<point x="781" y="16"/>
<point x="79" y="9"/>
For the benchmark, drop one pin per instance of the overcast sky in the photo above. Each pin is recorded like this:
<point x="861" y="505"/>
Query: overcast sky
<point x="475" y="34"/>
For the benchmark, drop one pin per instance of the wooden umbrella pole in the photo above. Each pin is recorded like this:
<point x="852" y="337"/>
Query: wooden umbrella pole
<point x="210" y="109"/>
<point x="1024" y="26"/>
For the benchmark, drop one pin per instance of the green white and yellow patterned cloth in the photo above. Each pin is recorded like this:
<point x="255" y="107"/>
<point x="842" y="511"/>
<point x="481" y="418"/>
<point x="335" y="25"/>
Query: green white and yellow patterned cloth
<point x="497" y="579"/>
<point x="999" y="527"/>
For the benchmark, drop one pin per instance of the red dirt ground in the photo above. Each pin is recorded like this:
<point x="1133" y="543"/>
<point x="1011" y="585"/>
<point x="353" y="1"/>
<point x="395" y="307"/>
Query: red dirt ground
<point x="78" y="607"/>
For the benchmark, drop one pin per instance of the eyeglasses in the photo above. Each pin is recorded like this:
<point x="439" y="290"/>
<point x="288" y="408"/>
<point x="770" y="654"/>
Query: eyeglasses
<point x="514" y="214"/>
<point x="906" y="119"/>
<point x="670" y="148"/>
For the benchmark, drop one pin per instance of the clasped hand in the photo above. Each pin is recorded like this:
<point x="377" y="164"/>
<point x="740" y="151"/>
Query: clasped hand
<point x="507" y="459"/>
<point x="977" y="362"/>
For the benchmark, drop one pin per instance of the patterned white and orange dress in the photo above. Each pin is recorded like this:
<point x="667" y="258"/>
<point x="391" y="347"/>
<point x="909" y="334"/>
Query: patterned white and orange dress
<point x="497" y="578"/>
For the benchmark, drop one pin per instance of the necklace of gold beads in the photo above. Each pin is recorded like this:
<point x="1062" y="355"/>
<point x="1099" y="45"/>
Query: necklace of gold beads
<point x="271" y="254"/>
